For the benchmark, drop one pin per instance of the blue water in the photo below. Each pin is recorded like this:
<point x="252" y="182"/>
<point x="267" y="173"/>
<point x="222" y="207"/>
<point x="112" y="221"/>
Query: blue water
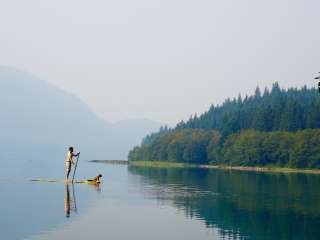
<point x="152" y="203"/>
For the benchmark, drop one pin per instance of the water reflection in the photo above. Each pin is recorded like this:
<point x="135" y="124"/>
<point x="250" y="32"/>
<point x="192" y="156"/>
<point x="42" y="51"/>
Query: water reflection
<point x="97" y="187"/>
<point x="239" y="204"/>
<point x="70" y="202"/>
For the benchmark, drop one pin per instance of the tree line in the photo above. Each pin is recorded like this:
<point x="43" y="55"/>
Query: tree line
<point x="299" y="149"/>
<point x="276" y="110"/>
<point x="279" y="127"/>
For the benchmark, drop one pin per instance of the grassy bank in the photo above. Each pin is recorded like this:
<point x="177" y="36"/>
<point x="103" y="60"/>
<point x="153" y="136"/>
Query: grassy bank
<point x="161" y="164"/>
<point x="165" y="164"/>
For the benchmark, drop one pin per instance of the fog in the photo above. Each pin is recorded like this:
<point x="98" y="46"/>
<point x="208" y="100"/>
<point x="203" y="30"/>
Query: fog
<point x="159" y="59"/>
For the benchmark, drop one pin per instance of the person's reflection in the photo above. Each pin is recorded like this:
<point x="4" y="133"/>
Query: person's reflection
<point x="70" y="204"/>
<point x="68" y="201"/>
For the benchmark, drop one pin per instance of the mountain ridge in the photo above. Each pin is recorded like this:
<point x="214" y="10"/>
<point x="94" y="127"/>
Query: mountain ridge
<point x="37" y="114"/>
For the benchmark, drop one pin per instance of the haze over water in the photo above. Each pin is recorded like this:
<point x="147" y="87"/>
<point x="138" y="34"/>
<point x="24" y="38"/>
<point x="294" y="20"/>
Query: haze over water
<point x="121" y="64"/>
<point x="153" y="203"/>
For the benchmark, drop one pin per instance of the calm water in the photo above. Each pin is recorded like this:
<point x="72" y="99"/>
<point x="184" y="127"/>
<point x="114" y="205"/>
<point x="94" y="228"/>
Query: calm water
<point x="151" y="203"/>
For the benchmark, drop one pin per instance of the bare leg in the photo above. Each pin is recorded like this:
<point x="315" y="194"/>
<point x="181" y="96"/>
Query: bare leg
<point x="68" y="173"/>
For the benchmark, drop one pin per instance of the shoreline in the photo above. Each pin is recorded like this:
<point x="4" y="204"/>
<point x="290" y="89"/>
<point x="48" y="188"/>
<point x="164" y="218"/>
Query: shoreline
<point x="116" y="162"/>
<point x="165" y="164"/>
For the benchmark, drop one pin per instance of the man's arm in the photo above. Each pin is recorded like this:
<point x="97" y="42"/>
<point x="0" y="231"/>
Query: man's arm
<point x="76" y="155"/>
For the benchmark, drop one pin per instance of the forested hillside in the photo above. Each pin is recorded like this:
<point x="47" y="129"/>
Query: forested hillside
<point x="279" y="127"/>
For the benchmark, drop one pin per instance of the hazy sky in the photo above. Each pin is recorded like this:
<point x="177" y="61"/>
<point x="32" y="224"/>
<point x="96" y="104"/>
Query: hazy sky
<point x="161" y="59"/>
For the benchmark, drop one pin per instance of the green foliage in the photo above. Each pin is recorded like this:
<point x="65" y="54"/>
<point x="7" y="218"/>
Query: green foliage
<point x="246" y="148"/>
<point x="263" y="129"/>
<point x="278" y="110"/>
<point x="183" y="145"/>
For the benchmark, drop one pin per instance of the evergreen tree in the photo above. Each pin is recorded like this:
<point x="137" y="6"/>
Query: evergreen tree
<point x="257" y="130"/>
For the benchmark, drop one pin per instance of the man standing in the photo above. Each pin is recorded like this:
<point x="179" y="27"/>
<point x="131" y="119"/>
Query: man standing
<point x="69" y="161"/>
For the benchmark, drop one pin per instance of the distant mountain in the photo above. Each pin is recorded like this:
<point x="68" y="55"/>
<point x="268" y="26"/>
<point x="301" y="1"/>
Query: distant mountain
<point x="35" y="115"/>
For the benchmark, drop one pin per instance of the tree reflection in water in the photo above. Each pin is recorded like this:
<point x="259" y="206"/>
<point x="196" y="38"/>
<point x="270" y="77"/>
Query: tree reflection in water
<point x="240" y="204"/>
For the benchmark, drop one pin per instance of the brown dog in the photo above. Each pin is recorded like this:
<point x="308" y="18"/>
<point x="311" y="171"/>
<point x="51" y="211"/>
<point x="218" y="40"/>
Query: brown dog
<point x="96" y="180"/>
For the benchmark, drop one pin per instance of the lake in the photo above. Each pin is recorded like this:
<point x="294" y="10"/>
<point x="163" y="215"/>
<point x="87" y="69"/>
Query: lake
<point x="154" y="203"/>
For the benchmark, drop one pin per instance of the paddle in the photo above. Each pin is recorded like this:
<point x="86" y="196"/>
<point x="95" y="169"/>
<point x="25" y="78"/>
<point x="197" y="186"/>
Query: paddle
<point x="75" y="168"/>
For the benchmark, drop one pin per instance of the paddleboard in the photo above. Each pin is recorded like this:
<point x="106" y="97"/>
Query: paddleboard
<point x="63" y="181"/>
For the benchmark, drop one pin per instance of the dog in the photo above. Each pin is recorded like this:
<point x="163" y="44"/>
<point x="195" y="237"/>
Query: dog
<point x="96" y="180"/>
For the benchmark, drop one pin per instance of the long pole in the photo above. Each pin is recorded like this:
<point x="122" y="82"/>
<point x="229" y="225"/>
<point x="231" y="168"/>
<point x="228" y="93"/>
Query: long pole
<point x="74" y="198"/>
<point x="75" y="168"/>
